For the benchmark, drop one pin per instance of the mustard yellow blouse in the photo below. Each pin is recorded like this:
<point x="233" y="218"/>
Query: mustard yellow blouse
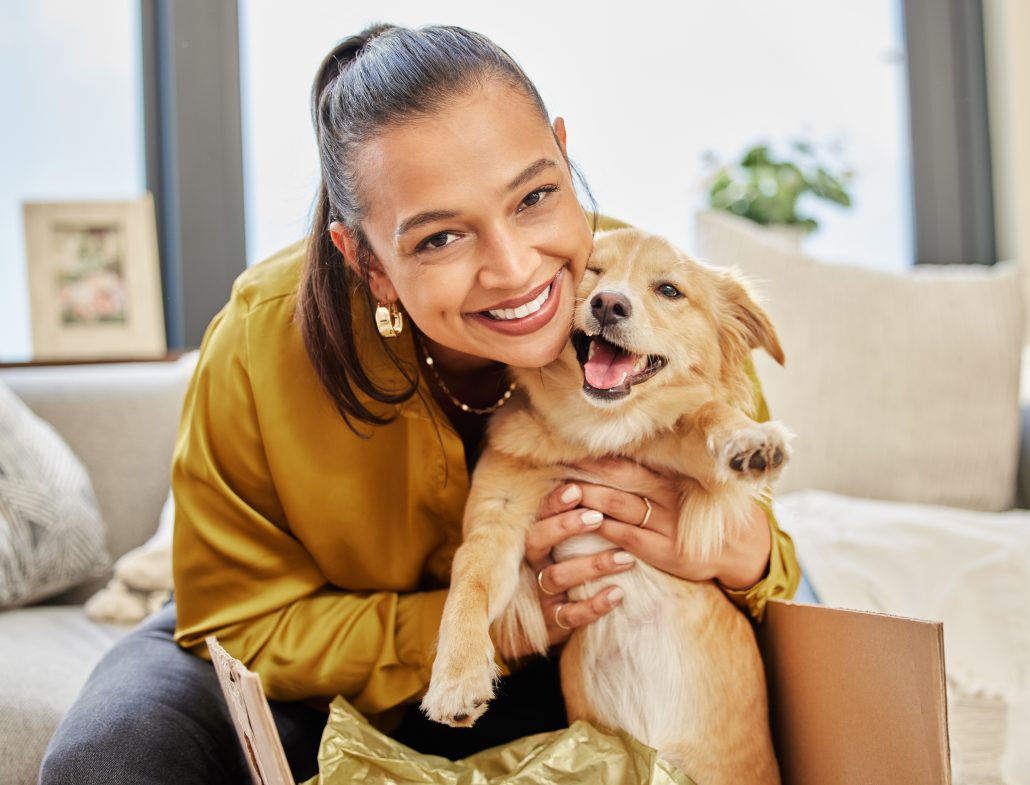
<point x="320" y="558"/>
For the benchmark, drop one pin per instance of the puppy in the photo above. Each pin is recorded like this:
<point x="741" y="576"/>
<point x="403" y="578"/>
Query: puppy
<point x="655" y="371"/>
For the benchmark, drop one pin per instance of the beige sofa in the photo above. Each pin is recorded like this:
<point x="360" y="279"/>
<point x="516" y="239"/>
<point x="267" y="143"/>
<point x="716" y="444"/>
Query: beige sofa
<point x="120" y="420"/>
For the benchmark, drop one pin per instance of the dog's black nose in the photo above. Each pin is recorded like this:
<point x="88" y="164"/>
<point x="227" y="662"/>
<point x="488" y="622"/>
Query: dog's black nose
<point x="610" y="307"/>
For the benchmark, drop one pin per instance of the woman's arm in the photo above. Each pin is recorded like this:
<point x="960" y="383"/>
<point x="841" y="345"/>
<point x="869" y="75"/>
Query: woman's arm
<point x="780" y="575"/>
<point x="242" y="575"/>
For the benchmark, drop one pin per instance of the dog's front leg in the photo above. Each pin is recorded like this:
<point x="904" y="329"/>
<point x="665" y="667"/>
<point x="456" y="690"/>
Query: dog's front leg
<point x="484" y="578"/>
<point x="727" y="459"/>
<point x="728" y="446"/>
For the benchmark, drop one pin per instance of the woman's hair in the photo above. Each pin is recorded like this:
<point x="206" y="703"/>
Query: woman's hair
<point x="370" y="83"/>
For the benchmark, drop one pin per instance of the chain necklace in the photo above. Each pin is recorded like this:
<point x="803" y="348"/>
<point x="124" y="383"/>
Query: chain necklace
<point x="464" y="406"/>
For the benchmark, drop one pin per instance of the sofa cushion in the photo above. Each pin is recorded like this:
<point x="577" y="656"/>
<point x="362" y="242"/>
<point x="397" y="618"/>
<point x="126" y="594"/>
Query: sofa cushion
<point x="120" y="419"/>
<point x="51" y="533"/>
<point x="46" y="654"/>
<point x="899" y="386"/>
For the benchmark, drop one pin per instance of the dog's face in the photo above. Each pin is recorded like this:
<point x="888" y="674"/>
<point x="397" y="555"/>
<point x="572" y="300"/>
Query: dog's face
<point x="648" y="318"/>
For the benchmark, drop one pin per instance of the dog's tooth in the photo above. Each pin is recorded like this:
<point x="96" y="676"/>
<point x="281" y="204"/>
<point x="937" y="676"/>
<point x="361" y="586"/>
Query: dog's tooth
<point x="623" y="379"/>
<point x="591" y="349"/>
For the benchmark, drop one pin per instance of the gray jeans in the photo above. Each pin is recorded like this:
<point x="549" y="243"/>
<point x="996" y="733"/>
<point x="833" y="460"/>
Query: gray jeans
<point x="151" y="712"/>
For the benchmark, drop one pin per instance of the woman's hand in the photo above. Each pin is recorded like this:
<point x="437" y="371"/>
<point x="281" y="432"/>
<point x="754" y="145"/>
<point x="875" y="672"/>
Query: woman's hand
<point x="742" y="562"/>
<point x="563" y="514"/>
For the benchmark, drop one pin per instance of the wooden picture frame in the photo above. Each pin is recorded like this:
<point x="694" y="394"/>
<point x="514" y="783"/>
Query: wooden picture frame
<point x="94" y="280"/>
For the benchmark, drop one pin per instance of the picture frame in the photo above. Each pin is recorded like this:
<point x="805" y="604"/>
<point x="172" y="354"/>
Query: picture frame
<point x="94" y="280"/>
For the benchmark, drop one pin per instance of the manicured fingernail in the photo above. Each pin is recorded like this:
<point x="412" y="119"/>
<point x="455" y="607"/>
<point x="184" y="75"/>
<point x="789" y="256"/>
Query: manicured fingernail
<point x="570" y="494"/>
<point x="615" y="595"/>
<point x="623" y="557"/>
<point x="591" y="518"/>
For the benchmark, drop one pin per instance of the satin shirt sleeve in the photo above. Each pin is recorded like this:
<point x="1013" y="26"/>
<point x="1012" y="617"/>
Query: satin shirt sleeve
<point x="239" y="574"/>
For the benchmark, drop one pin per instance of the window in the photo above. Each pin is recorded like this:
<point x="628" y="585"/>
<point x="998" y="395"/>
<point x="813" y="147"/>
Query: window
<point x="646" y="89"/>
<point x="70" y="75"/>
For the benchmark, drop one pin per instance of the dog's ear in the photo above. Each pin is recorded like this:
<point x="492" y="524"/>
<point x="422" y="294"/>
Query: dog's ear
<point x="743" y="324"/>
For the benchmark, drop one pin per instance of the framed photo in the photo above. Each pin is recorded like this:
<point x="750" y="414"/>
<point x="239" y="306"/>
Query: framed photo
<point x="94" y="280"/>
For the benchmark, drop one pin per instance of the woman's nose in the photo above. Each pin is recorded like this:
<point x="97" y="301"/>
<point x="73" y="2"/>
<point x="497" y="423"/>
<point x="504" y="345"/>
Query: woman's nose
<point x="507" y="263"/>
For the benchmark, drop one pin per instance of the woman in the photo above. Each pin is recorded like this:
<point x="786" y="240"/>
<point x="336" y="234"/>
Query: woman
<point x="334" y="416"/>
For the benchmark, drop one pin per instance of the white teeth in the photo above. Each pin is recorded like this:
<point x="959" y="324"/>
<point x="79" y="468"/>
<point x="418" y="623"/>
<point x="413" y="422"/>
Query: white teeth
<point x="523" y="310"/>
<point x="640" y="364"/>
<point x="623" y="379"/>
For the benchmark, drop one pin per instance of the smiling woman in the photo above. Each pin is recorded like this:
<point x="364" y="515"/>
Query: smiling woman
<point x="470" y="219"/>
<point x="322" y="466"/>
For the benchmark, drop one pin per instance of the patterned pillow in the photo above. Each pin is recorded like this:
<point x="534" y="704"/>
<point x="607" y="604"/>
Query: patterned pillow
<point x="51" y="534"/>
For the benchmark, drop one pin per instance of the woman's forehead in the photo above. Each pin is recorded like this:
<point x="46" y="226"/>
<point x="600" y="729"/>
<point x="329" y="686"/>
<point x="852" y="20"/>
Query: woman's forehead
<point x="475" y="148"/>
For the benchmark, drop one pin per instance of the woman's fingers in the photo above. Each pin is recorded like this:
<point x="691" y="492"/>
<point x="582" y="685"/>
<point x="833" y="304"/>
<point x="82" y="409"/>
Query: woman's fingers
<point x="548" y="532"/>
<point x="563" y="617"/>
<point x="559" y="578"/>
<point x="620" y="505"/>
<point x="562" y="498"/>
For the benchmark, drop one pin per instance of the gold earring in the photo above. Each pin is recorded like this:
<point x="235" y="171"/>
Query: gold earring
<point x="389" y="320"/>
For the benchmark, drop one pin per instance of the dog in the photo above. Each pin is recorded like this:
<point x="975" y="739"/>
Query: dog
<point x="655" y="371"/>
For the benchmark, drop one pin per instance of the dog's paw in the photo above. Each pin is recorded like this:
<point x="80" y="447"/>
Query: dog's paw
<point x="757" y="453"/>
<point x="459" y="691"/>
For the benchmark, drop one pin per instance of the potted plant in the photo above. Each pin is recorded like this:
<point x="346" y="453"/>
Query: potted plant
<point x="766" y="188"/>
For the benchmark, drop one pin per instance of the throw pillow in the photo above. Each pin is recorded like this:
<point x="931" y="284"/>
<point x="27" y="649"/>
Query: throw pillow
<point x="142" y="578"/>
<point x="899" y="386"/>
<point x="51" y="534"/>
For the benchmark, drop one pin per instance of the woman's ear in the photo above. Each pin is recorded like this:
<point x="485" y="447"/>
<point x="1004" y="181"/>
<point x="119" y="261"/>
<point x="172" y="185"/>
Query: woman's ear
<point x="378" y="281"/>
<point x="559" y="134"/>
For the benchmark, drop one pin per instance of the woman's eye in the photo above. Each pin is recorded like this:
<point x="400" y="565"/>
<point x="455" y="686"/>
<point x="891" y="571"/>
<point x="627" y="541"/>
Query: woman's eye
<point x="433" y="242"/>
<point x="537" y="196"/>
<point x="670" y="291"/>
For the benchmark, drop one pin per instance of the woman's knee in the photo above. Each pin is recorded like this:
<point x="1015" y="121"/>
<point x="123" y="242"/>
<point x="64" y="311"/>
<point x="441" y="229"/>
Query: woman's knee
<point x="150" y="712"/>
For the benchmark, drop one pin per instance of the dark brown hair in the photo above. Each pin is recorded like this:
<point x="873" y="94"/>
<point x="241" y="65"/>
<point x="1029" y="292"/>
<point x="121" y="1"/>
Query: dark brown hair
<point x="380" y="79"/>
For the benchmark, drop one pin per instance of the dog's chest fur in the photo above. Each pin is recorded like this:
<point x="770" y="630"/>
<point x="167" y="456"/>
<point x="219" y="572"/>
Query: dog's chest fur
<point x="638" y="663"/>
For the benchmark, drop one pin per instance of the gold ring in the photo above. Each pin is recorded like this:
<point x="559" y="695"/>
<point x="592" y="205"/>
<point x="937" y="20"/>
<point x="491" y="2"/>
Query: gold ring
<point x="540" y="583"/>
<point x="557" y="617"/>
<point x="647" y="515"/>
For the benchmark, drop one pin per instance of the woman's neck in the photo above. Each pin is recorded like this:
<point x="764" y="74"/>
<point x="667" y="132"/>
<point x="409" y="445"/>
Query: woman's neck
<point x="476" y="381"/>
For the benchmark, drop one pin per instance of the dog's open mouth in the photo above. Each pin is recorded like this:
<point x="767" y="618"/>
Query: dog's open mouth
<point x="609" y="371"/>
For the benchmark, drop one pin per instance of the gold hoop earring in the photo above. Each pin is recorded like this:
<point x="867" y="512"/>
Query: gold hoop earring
<point x="389" y="320"/>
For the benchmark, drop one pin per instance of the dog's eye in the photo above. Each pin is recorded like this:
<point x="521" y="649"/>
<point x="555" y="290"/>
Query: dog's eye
<point x="670" y="291"/>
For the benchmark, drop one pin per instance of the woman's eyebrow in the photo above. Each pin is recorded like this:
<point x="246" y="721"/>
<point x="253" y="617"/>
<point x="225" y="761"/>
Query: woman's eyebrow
<point x="531" y="171"/>
<point x="428" y="216"/>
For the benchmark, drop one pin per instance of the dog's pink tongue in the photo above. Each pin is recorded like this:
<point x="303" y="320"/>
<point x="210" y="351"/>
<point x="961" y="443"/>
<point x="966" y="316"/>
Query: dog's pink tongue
<point x="608" y="366"/>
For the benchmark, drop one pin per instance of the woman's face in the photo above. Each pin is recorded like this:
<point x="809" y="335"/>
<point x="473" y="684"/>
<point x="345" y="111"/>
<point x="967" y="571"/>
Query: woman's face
<point x="474" y="222"/>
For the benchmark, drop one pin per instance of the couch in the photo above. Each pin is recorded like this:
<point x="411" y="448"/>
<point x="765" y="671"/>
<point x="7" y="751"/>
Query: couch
<point x="120" y="420"/>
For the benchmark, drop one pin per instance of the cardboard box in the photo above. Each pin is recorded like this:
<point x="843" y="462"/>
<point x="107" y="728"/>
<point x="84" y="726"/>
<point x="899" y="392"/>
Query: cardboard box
<point x="855" y="698"/>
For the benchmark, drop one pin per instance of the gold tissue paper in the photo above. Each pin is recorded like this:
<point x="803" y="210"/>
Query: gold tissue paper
<point x="353" y="751"/>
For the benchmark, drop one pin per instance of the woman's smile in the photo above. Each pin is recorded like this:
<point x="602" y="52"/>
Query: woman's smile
<point x="524" y="315"/>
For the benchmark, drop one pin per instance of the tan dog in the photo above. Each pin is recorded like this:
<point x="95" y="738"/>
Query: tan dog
<point x="655" y="371"/>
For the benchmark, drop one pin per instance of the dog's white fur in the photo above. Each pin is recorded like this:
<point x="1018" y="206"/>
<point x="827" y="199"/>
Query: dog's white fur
<point x="676" y="665"/>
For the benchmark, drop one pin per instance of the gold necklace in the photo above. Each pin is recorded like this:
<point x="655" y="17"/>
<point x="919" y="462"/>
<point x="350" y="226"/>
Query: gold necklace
<point x="464" y="406"/>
